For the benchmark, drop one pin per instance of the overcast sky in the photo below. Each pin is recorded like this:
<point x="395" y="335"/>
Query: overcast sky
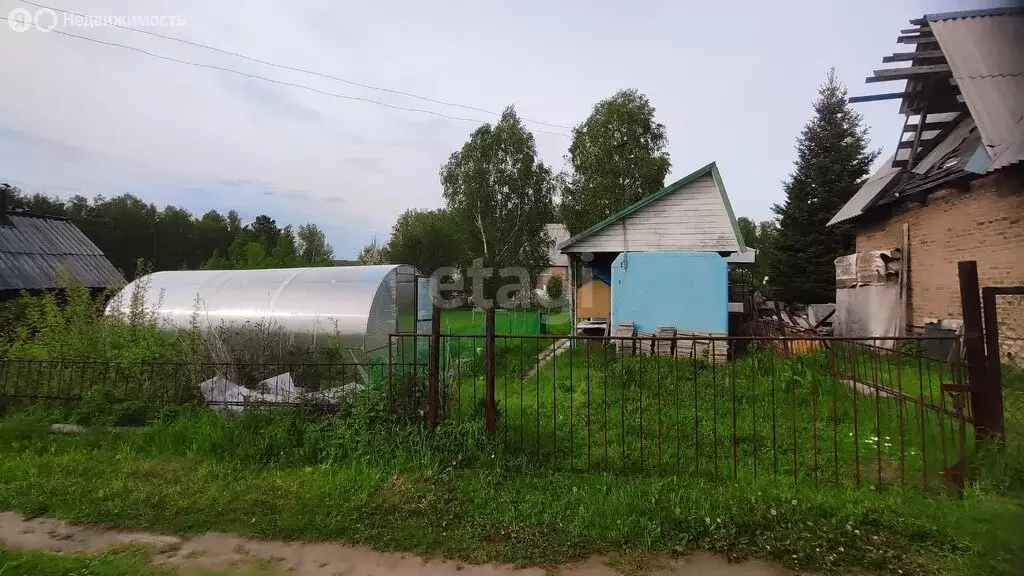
<point x="732" y="81"/>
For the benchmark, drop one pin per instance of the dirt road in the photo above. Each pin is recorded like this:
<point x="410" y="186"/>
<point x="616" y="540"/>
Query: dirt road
<point x="232" y="553"/>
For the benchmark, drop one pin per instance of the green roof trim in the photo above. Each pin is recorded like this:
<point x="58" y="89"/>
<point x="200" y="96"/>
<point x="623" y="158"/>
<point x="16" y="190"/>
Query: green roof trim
<point x="728" y="207"/>
<point x="711" y="168"/>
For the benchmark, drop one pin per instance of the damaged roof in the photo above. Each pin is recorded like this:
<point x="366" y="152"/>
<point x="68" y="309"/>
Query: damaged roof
<point x="962" y="101"/>
<point x="985" y="51"/>
<point x="34" y="248"/>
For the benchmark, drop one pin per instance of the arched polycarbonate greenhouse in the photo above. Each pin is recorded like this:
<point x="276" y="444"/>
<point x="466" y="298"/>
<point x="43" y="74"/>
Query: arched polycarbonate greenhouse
<point x="359" y="305"/>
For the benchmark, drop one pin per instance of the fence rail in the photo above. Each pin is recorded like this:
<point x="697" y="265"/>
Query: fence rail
<point x="839" y="410"/>
<point x="134" y="392"/>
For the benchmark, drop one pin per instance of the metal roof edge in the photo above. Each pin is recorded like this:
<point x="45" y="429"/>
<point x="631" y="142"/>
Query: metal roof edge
<point x="647" y="200"/>
<point x="1001" y="11"/>
<point x="728" y="206"/>
<point x="37" y="215"/>
<point x="890" y="177"/>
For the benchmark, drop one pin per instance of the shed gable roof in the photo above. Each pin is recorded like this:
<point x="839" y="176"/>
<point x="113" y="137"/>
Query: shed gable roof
<point x="33" y="248"/>
<point x="727" y="238"/>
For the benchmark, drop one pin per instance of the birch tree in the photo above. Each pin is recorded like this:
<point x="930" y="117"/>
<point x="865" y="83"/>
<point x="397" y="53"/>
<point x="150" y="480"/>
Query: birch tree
<point x="500" y="196"/>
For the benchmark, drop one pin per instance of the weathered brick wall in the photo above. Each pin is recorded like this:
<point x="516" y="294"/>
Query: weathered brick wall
<point x="984" y="223"/>
<point x="1010" y="317"/>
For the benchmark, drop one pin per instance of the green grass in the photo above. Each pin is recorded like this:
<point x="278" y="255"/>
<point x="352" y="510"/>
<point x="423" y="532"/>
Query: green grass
<point x="296" y="477"/>
<point x="506" y="322"/>
<point x="760" y="416"/>
<point x="115" y="562"/>
<point x="909" y="372"/>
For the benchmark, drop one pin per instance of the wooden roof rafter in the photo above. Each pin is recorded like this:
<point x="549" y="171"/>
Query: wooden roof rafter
<point x="926" y="64"/>
<point x="919" y="146"/>
<point x="905" y="73"/>
<point x="914" y="56"/>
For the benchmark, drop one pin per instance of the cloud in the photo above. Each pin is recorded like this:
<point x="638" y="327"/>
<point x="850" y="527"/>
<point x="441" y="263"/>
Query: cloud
<point x="104" y="120"/>
<point x="37" y="165"/>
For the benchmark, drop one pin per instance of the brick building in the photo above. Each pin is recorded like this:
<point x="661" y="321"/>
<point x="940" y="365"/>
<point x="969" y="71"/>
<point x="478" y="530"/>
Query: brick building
<point x="955" y="186"/>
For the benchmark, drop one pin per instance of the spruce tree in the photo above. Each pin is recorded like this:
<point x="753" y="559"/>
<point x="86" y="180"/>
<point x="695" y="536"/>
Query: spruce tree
<point x="832" y="161"/>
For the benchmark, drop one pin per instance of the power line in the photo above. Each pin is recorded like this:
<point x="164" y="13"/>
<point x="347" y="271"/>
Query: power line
<point x="274" y="81"/>
<point x="293" y="68"/>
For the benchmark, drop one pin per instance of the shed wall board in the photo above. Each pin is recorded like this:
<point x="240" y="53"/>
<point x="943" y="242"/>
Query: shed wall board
<point x="687" y="290"/>
<point x="693" y="218"/>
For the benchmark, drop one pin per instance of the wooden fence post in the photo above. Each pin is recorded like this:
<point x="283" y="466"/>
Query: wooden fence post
<point x="974" y="347"/>
<point x="434" y="368"/>
<point x="489" y="345"/>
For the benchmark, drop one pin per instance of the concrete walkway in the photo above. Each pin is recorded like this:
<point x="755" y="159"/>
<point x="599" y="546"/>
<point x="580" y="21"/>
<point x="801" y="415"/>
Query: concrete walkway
<point x="558" y="347"/>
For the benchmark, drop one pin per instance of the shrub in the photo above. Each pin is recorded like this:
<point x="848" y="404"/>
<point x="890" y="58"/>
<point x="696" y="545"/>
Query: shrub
<point x="555" y="288"/>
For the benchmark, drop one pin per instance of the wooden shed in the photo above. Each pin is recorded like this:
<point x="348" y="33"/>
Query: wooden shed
<point x="693" y="214"/>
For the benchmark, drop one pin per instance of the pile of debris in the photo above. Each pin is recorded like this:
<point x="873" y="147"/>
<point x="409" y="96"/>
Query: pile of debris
<point x="764" y="317"/>
<point x="222" y="394"/>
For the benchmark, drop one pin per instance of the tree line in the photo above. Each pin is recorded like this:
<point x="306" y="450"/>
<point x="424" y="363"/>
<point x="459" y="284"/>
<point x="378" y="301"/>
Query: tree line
<point x="134" y="233"/>
<point x="498" y="195"/>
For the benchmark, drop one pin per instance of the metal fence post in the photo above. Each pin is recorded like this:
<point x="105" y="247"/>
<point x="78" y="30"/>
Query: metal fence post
<point x="974" y="345"/>
<point x="489" y="345"/>
<point x="994" y="364"/>
<point x="434" y="368"/>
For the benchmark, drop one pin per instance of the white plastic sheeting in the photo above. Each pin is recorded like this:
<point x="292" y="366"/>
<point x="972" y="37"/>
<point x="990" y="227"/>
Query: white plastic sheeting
<point x="868" y="295"/>
<point x="361" y="305"/>
<point x="222" y="394"/>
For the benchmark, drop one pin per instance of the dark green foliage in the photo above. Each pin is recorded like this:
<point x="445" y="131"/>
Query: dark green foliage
<point x="427" y="240"/>
<point x="618" y="157"/>
<point x="249" y="250"/>
<point x="500" y="197"/>
<point x="312" y="247"/>
<point x="760" y="236"/>
<point x="130" y="231"/>
<point x="832" y="161"/>
<point x="555" y="288"/>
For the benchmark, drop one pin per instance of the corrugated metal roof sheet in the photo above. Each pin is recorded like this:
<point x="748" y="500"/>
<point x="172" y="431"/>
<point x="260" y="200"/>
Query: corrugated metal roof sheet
<point x="869" y="193"/>
<point x="34" y="248"/>
<point x="1013" y="153"/>
<point x="984" y="52"/>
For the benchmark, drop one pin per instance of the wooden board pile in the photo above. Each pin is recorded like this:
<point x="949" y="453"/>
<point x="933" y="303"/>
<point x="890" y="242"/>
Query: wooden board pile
<point x="668" y="341"/>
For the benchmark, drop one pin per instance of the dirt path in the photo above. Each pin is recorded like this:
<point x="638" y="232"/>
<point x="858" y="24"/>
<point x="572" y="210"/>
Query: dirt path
<point x="232" y="553"/>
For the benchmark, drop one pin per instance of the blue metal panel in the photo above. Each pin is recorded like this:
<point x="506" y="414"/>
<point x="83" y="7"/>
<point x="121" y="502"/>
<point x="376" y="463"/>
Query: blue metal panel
<point x="688" y="290"/>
